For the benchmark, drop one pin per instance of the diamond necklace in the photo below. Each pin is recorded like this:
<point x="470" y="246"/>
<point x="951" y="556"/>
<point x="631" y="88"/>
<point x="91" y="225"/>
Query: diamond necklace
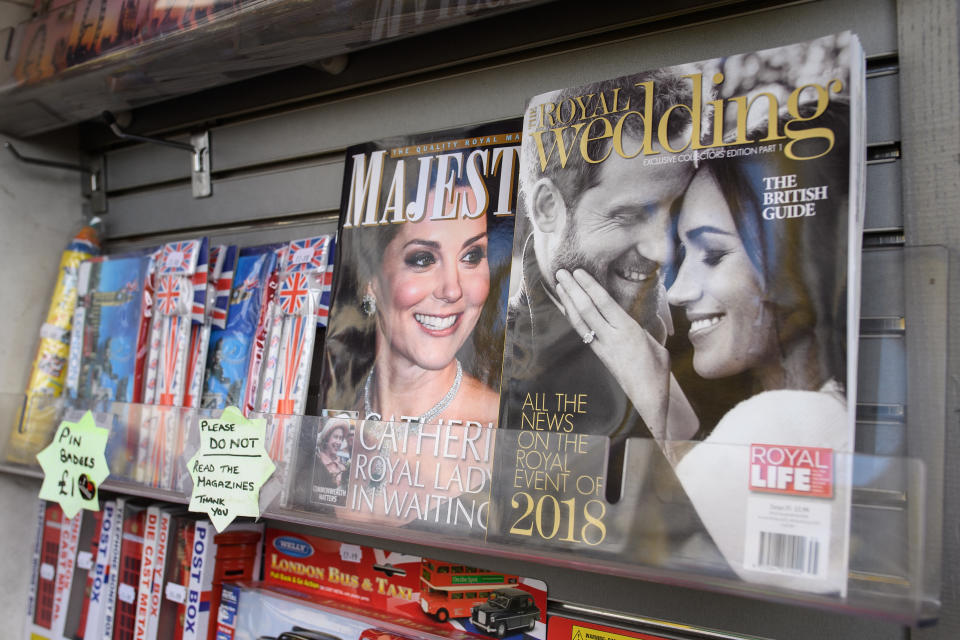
<point x="432" y="413"/>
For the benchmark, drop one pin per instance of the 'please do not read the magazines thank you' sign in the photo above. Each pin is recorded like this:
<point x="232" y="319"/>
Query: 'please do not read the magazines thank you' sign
<point x="229" y="468"/>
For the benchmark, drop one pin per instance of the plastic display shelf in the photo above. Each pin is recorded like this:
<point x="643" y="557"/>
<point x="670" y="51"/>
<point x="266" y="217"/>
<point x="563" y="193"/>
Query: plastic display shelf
<point x="857" y="546"/>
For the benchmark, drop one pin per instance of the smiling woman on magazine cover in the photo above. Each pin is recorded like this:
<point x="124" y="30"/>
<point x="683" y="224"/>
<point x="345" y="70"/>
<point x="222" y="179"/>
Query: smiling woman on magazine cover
<point x="763" y="297"/>
<point x="422" y="290"/>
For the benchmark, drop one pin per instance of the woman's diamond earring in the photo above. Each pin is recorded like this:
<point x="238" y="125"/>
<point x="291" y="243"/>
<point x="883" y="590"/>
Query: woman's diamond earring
<point x="368" y="305"/>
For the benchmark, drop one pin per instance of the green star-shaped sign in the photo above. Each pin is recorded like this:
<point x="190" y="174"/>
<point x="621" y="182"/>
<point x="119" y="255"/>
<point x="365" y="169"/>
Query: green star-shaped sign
<point x="230" y="467"/>
<point x="74" y="465"/>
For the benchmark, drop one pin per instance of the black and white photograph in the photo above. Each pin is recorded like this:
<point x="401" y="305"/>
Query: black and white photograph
<point x="683" y="266"/>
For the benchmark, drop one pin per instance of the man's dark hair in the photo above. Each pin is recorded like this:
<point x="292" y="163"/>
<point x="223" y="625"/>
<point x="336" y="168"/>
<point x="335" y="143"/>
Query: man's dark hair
<point x="578" y="175"/>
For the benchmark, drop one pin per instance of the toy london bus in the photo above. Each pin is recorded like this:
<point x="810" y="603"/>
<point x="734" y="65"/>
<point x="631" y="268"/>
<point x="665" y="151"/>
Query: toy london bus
<point x="450" y="590"/>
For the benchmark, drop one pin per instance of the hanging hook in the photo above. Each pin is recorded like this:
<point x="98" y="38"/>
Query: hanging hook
<point x="94" y="175"/>
<point x="111" y="121"/>
<point x="199" y="147"/>
<point x="44" y="163"/>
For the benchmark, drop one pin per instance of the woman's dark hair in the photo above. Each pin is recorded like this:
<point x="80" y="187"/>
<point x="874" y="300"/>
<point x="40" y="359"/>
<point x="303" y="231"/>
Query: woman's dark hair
<point x="351" y="341"/>
<point x="802" y="260"/>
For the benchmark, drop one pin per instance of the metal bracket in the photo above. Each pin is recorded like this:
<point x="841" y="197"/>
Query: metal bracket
<point x="200" y="170"/>
<point x="94" y="186"/>
<point x="199" y="146"/>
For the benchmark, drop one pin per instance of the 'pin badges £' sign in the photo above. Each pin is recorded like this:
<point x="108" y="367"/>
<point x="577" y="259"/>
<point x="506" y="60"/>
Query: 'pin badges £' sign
<point x="74" y="465"/>
<point x="230" y="467"/>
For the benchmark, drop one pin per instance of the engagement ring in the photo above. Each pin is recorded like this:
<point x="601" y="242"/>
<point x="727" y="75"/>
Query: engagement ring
<point x="589" y="336"/>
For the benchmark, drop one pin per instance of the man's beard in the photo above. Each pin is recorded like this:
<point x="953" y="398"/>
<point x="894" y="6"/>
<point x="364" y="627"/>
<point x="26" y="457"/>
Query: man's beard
<point x="641" y="301"/>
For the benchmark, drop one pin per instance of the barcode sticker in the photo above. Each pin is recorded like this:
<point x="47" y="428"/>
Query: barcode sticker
<point x="790" y="553"/>
<point x="788" y="536"/>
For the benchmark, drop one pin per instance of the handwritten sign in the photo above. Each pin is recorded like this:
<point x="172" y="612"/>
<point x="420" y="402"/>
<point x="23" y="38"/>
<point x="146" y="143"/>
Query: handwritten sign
<point x="74" y="465"/>
<point x="229" y="468"/>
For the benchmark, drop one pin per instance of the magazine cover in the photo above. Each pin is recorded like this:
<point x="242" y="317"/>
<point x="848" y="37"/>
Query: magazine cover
<point x="229" y="351"/>
<point x="107" y="348"/>
<point x="685" y="268"/>
<point x="43" y="45"/>
<point x="101" y="25"/>
<point x="415" y="335"/>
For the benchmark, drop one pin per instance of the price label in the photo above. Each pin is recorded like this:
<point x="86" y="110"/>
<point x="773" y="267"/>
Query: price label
<point x="74" y="465"/>
<point x="174" y="260"/>
<point x="85" y="560"/>
<point x="302" y="256"/>
<point x="229" y="468"/>
<point x="47" y="571"/>
<point x="351" y="553"/>
<point x="126" y="593"/>
<point x="176" y="592"/>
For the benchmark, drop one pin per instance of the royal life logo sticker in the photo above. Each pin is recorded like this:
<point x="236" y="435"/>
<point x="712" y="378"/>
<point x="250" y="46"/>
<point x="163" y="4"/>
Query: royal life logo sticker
<point x="793" y="471"/>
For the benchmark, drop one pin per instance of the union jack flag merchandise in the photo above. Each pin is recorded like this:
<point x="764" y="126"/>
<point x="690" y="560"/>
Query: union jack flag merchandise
<point x="223" y="286"/>
<point x="168" y="295"/>
<point x="293" y="293"/>
<point x="323" y="306"/>
<point x="229" y="353"/>
<point x="306" y="255"/>
<point x="198" y="312"/>
<point x="180" y="258"/>
<point x="181" y="293"/>
<point x="292" y="328"/>
<point x="221" y="257"/>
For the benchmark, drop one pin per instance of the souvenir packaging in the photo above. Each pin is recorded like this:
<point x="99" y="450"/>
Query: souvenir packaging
<point x="73" y="570"/>
<point x="87" y="560"/>
<point x="229" y="354"/>
<point x="437" y="594"/>
<point x="40" y="601"/>
<point x="93" y="627"/>
<point x="148" y="560"/>
<point x="180" y="291"/>
<point x="128" y="571"/>
<point x="201" y="577"/>
<point x="178" y="280"/>
<point x="163" y="546"/>
<point x="49" y="370"/>
<point x="108" y="614"/>
<point x="265" y="326"/>
<point x="173" y="605"/>
<point x="222" y="262"/>
<point x="108" y="340"/>
<point x="288" y="359"/>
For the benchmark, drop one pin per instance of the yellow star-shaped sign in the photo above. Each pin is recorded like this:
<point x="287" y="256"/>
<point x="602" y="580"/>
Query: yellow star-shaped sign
<point x="230" y="467"/>
<point x="74" y="465"/>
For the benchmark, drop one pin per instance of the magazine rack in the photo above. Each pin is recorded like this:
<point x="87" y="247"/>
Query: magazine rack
<point x="650" y="533"/>
<point x="890" y="562"/>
